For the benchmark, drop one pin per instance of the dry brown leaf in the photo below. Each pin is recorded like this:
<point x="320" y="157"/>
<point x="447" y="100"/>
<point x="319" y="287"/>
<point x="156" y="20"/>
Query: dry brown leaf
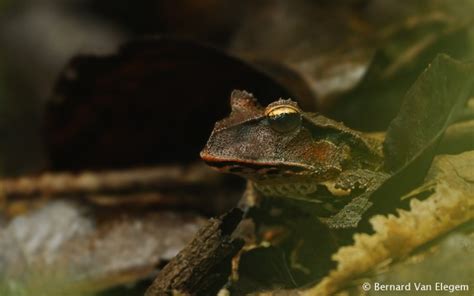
<point x="452" y="203"/>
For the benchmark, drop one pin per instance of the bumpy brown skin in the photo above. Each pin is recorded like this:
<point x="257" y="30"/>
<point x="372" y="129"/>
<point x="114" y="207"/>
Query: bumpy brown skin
<point x="286" y="152"/>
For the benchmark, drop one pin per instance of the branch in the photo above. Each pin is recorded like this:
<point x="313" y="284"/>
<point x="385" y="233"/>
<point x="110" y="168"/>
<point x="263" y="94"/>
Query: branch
<point x="204" y="265"/>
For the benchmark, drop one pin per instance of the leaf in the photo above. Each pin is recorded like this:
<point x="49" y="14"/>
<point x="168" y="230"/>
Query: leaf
<point x="63" y="246"/>
<point x="154" y="101"/>
<point x="263" y="268"/>
<point x="405" y="48"/>
<point x="451" y="182"/>
<point x="298" y="255"/>
<point x="430" y="105"/>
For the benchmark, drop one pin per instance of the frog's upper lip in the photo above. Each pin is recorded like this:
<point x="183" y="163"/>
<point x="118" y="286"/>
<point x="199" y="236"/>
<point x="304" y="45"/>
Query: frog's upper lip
<point x="220" y="161"/>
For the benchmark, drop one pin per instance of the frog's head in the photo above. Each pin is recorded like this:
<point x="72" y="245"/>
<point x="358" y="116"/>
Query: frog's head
<point x="279" y="141"/>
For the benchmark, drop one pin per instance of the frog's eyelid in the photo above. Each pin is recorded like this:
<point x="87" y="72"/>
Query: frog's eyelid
<point x="282" y="109"/>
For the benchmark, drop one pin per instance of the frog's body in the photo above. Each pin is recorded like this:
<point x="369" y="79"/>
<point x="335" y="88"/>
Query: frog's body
<point x="285" y="152"/>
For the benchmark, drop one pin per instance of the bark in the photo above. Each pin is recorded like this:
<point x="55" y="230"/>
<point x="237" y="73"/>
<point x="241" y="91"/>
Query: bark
<point x="203" y="266"/>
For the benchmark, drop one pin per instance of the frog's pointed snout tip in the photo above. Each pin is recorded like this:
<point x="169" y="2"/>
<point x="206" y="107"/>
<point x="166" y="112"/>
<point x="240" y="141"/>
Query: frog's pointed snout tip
<point x="203" y="154"/>
<point x="206" y="155"/>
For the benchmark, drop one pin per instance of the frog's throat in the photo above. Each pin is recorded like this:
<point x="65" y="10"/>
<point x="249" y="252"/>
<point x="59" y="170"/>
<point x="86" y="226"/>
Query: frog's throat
<point x="299" y="190"/>
<point x="296" y="190"/>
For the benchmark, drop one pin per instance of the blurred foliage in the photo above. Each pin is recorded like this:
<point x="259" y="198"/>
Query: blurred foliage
<point x="352" y="60"/>
<point x="3" y="5"/>
<point x="94" y="124"/>
<point x="19" y="129"/>
<point x="352" y="57"/>
<point x="444" y="263"/>
<point x="68" y="247"/>
<point x="409" y="233"/>
<point x="404" y="48"/>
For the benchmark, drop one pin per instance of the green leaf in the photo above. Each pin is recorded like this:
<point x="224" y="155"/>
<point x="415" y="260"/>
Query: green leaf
<point x="430" y="105"/>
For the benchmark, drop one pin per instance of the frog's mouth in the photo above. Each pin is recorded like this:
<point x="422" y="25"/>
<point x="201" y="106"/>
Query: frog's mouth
<point x="257" y="169"/>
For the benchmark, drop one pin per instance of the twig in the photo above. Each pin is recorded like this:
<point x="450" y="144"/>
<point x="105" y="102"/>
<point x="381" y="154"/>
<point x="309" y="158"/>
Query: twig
<point x="204" y="265"/>
<point x="140" y="179"/>
<point x="193" y="187"/>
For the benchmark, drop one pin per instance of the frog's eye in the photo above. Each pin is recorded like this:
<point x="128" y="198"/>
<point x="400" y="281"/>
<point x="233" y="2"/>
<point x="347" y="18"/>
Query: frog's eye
<point x="283" y="118"/>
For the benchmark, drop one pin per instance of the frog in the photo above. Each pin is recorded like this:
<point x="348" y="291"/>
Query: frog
<point x="285" y="152"/>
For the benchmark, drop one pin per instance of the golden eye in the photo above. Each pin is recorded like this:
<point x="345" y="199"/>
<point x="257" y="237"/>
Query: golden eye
<point x="282" y="109"/>
<point x="283" y="118"/>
